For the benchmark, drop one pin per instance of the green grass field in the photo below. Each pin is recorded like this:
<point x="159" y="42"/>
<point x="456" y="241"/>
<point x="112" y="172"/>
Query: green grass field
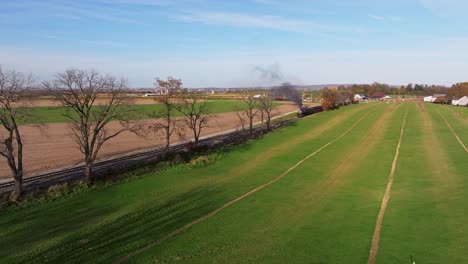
<point x="323" y="211"/>
<point x="56" y="114"/>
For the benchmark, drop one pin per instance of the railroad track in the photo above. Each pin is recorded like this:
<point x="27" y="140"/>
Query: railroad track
<point x="114" y="164"/>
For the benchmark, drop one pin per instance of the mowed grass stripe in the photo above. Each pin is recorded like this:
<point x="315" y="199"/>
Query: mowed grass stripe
<point x="415" y="222"/>
<point x="458" y="112"/>
<point x="453" y="131"/>
<point x="105" y="224"/>
<point x="278" y="149"/>
<point x="443" y="170"/>
<point x="203" y="218"/>
<point x="454" y="116"/>
<point x="261" y="228"/>
<point x="378" y="225"/>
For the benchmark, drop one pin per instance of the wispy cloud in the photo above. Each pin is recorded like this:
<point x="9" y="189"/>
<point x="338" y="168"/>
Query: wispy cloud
<point x="264" y="2"/>
<point x="446" y="8"/>
<point x="66" y="36"/>
<point x="262" y="21"/>
<point x="386" y="18"/>
<point x="74" y="11"/>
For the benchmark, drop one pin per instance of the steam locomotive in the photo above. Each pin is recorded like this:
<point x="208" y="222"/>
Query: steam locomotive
<point x="305" y="111"/>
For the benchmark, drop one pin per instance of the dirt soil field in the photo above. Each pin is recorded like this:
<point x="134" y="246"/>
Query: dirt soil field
<point x="56" y="149"/>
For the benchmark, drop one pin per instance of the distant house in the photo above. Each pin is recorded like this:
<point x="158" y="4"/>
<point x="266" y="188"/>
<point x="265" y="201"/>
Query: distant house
<point x="461" y="102"/>
<point x="378" y="95"/>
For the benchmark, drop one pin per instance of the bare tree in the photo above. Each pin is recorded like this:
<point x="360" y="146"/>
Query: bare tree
<point x="170" y="99"/>
<point x="92" y="101"/>
<point x="196" y="111"/>
<point x="250" y="110"/>
<point x="242" y="119"/>
<point x="13" y="91"/>
<point x="265" y="103"/>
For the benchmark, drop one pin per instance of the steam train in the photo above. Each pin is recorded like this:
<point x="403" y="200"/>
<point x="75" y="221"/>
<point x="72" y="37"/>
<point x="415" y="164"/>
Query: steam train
<point x="305" y="111"/>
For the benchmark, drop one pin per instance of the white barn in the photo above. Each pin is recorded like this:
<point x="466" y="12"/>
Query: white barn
<point x="432" y="98"/>
<point x="358" y="97"/>
<point x="461" y="102"/>
<point x="428" y="99"/>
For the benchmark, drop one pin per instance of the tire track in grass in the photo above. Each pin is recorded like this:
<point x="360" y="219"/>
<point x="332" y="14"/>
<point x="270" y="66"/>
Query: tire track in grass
<point x="378" y="225"/>
<point x="209" y="215"/>
<point x="453" y="131"/>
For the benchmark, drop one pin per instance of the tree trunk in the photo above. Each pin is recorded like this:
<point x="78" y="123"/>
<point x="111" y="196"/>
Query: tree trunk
<point x="88" y="173"/>
<point x="195" y="137"/>
<point x="268" y="121"/>
<point x="18" y="187"/>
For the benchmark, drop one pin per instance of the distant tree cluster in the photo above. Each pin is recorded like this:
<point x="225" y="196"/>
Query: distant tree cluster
<point x="458" y="90"/>
<point x="404" y="90"/>
<point x="333" y="98"/>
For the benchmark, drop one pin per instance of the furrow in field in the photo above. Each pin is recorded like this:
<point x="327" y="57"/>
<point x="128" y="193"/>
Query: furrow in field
<point x="203" y="218"/>
<point x="378" y="226"/>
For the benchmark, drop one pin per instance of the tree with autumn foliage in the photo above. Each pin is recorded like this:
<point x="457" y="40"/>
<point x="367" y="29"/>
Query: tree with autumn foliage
<point x="329" y="98"/>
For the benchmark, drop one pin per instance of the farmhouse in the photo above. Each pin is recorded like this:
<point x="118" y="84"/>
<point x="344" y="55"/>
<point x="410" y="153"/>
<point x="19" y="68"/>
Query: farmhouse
<point x="461" y="102"/>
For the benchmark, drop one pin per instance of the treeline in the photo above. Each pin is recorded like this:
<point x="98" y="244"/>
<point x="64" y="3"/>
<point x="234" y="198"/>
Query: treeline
<point x="92" y="101"/>
<point x="456" y="90"/>
<point x="409" y="89"/>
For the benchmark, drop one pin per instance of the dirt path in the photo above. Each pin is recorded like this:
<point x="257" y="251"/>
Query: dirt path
<point x="453" y="132"/>
<point x="56" y="149"/>
<point x="203" y="218"/>
<point x="378" y="225"/>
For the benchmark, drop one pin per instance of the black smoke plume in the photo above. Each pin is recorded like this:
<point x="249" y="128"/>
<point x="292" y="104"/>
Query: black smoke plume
<point x="288" y="92"/>
<point x="269" y="74"/>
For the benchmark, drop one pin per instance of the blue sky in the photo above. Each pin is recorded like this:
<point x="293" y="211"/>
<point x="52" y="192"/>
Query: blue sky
<point x="225" y="43"/>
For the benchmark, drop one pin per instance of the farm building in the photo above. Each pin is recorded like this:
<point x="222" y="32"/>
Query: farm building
<point x="359" y="97"/>
<point x="378" y="95"/>
<point x="461" y="102"/>
<point x="428" y="99"/>
<point x="432" y="98"/>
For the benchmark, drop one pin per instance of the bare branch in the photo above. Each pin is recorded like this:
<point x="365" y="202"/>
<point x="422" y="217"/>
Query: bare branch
<point x="92" y="101"/>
